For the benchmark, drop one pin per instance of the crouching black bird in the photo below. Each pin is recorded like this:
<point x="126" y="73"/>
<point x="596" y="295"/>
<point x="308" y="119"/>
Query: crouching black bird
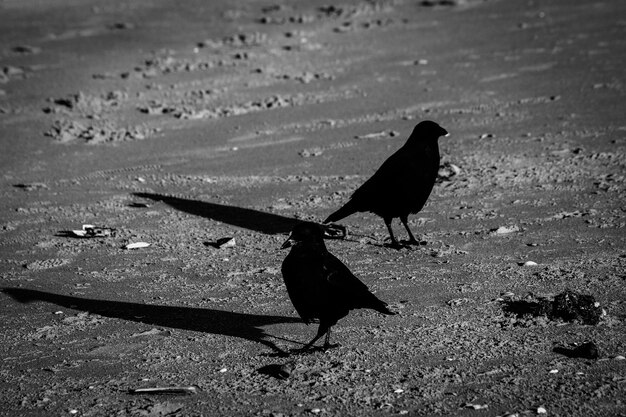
<point x="319" y="285"/>
<point x="403" y="182"/>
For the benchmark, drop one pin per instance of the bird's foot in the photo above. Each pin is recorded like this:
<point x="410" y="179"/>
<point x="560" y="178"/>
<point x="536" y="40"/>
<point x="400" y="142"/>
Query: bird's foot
<point x="301" y="351"/>
<point x="395" y="245"/>
<point x="334" y="231"/>
<point x="310" y="349"/>
<point x="329" y="346"/>
<point x="416" y="242"/>
<point x="306" y="350"/>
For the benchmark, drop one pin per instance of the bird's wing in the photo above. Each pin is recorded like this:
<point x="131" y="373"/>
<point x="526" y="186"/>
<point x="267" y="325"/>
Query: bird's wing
<point x="402" y="183"/>
<point x="382" y="181"/>
<point x="347" y="289"/>
<point x="341" y="280"/>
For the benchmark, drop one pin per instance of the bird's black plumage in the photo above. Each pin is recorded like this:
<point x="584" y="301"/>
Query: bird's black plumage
<point x="403" y="182"/>
<point x="319" y="285"/>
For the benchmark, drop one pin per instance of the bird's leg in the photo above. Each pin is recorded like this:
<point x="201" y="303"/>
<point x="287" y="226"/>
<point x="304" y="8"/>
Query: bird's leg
<point x="394" y="242"/>
<point x="321" y="331"/>
<point x="412" y="240"/>
<point x="327" y="344"/>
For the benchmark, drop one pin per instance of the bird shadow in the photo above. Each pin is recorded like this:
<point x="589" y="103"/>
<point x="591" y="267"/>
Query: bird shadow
<point x="226" y="323"/>
<point x="251" y="219"/>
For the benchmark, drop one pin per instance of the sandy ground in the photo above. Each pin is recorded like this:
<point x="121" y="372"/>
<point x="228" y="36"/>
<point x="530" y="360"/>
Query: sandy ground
<point x="181" y="125"/>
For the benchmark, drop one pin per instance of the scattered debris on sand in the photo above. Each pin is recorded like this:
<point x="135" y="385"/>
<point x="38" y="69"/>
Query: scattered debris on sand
<point x="587" y="350"/>
<point x="568" y="306"/>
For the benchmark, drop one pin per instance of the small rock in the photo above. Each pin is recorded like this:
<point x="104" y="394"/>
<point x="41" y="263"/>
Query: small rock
<point x="541" y="410"/>
<point x="554" y="371"/>
<point x="12" y="71"/>
<point x="619" y="358"/>
<point x="223" y="370"/>
<point x="527" y="263"/>
<point x="307" y="153"/>
<point x="32" y="186"/>
<point x="26" y="49"/>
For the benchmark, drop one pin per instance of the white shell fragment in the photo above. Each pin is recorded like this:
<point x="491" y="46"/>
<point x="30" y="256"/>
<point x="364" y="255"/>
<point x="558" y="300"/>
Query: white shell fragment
<point x="89" y="230"/>
<point x="83" y="232"/>
<point x="477" y="406"/>
<point x="502" y="230"/>
<point x="165" y="390"/>
<point x="137" y="245"/>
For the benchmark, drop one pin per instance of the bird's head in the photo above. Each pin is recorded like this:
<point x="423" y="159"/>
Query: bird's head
<point x="427" y="131"/>
<point x="306" y="234"/>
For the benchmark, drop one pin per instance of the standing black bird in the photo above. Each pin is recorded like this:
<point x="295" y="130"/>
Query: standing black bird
<point x="319" y="285"/>
<point x="403" y="182"/>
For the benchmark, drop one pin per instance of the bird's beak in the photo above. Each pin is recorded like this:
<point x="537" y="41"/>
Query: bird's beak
<point x="445" y="133"/>
<point x="288" y="243"/>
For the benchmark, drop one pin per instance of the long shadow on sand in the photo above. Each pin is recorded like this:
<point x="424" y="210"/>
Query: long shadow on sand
<point x="245" y="326"/>
<point x="237" y="216"/>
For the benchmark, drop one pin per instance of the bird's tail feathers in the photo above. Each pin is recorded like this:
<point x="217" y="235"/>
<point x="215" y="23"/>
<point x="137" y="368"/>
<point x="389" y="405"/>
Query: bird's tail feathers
<point x="343" y="212"/>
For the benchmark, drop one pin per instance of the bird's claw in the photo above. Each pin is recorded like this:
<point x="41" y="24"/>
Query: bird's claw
<point x="334" y="231"/>
<point x="311" y="349"/>
<point x="329" y="346"/>
<point x="395" y="245"/>
<point x="416" y="242"/>
<point x="305" y="350"/>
